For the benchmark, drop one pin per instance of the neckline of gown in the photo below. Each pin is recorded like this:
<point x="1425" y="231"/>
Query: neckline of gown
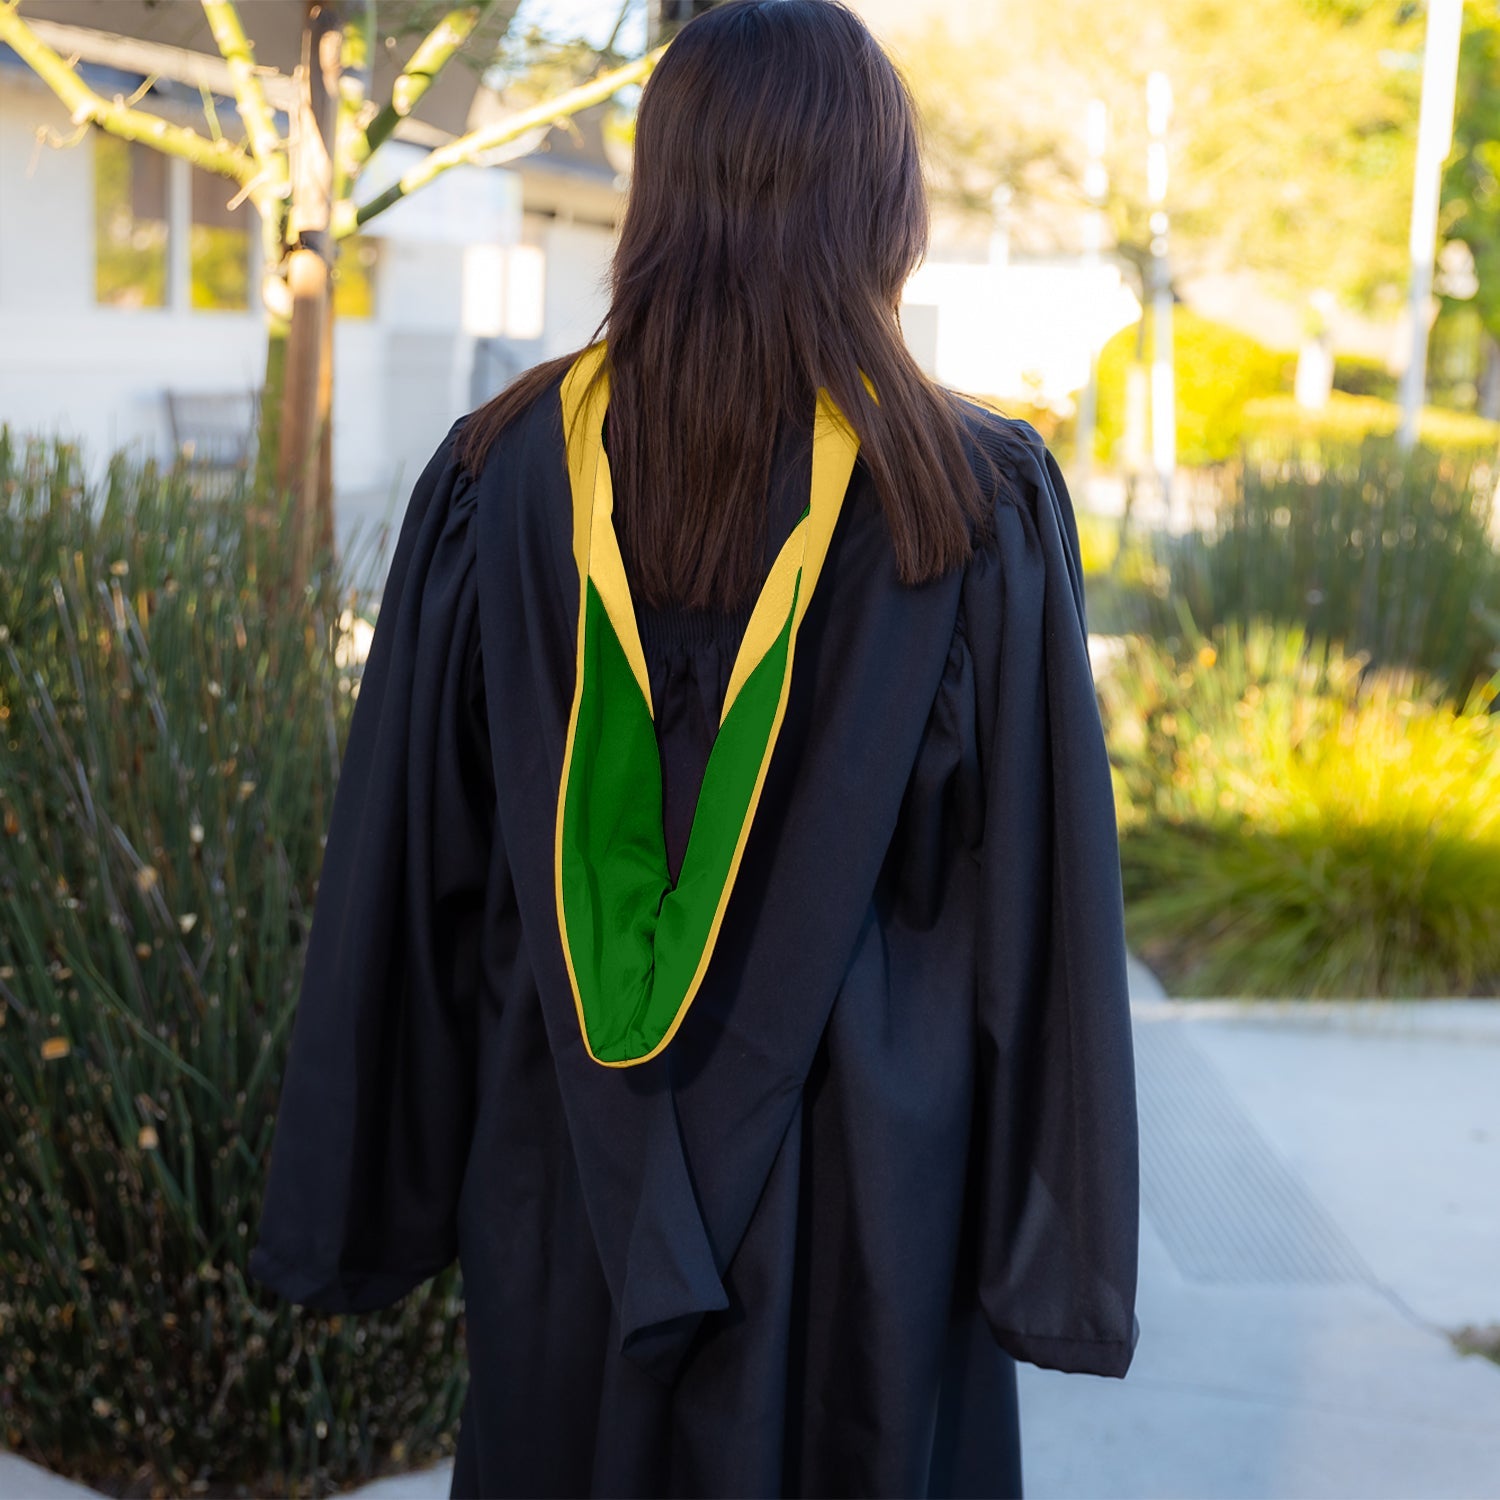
<point x="677" y="627"/>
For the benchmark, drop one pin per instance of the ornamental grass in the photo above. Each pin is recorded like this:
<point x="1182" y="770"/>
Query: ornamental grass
<point x="170" y="732"/>
<point x="1395" y="554"/>
<point x="1295" y="823"/>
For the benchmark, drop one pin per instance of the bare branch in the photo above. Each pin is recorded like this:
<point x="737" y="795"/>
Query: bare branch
<point x="467" y="147"/>
<point x="356" y="50"/>
<point x="433" y="54"/>
<point x="614" y="33"/>
<point x="260" y="125"/>
<point x="85" y="107"/>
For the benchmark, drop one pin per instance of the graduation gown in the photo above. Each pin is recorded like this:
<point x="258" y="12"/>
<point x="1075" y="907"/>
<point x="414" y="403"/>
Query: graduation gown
<point x="891" y="1147"/>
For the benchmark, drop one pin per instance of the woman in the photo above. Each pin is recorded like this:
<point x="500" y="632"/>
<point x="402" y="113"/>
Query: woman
<point x="719" y="948"/>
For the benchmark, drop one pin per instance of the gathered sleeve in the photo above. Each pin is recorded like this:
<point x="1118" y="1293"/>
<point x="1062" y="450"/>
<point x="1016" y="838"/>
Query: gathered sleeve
<point x="378" y="1094"/>
<point x="1057" y="1168"/>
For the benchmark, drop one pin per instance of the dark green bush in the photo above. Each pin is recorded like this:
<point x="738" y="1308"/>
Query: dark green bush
<point x="1359" y="375"/>
<point x="1389" y="553"/>
<point x="169" y="745"/>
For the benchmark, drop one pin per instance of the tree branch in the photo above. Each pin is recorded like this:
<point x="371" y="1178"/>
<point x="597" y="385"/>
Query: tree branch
<point x="118" y="118"/>
<point x="250" y="97"/>
<point x="614" y="31"/>
<point x="433" y="54"/>
<point x="356" y="51"/>
<point x="467" y="147"/>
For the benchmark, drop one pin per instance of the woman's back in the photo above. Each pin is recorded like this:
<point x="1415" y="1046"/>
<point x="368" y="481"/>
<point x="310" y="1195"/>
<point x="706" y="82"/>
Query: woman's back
<point x="892" y="1145"/>
<point x="767" y="1204"/>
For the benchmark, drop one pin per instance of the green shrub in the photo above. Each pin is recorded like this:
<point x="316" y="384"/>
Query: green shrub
<point x="1388" y="552"/>
<point x="1346" y="419"/>
<point x="168" y="751"/>
<point x="1216" y="369"/>
<point x="1295" y="824"/>
<point x="1358" y="375"/>
<point x="1455" y="357"/>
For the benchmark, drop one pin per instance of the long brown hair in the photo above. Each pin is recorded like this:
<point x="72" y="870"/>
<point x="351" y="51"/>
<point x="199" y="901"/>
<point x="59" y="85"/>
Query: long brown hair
<point x="775" y="211"/>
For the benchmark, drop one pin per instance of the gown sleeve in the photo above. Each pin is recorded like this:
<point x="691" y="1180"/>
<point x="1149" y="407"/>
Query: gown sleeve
<point x="1057" y="1130"/>
<point x="377" y="1098"/>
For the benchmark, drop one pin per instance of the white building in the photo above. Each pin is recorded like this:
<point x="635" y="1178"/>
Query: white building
<point x="124" y="276"/>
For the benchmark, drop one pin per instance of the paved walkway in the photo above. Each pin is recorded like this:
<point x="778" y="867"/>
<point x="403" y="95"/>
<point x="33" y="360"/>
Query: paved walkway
<point x="1320" y="1205"/>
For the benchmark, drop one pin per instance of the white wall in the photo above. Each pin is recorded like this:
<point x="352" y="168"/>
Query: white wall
<point x="67" y="365"/>
<point x="1014" y="331"/>
<point x="97" y="374"/>
<point x="576" y="295"/>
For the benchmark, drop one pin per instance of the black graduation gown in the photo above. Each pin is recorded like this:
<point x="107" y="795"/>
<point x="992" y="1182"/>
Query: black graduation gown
<point x="892" y="1147"/>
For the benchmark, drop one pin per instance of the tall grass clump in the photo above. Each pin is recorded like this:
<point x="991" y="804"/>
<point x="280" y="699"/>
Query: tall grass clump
<point x="1296" y="824"/>
<point x="170" y="733"/>
<point x="1392" y="554"/>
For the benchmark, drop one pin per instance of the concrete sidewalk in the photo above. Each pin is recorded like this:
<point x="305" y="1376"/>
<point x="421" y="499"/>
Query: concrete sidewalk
<point x="1320" y="1206"/>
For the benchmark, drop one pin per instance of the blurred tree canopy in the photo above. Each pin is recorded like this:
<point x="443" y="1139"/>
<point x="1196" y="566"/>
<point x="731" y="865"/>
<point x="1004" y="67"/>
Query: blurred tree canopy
<point x="1291" y="143"/>
<point x="1471" y="184"/>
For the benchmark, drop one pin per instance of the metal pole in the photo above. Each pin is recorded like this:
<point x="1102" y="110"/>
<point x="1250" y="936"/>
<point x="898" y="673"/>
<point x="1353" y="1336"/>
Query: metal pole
<point x="1000" y="201"/>
<point x="1434" y="140"/>
<point x="1095" y="186"/>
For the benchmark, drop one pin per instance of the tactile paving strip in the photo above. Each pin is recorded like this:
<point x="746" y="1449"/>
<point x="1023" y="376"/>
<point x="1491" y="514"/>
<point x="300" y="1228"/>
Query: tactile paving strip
<point x="1227" y="1206"/>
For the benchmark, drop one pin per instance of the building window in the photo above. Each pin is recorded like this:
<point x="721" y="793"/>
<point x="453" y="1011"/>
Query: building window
<point x="130" y="223"/>
<point x="354" y="277"/>
<point x="164" y="234"/>
<point x="218" y="245"/>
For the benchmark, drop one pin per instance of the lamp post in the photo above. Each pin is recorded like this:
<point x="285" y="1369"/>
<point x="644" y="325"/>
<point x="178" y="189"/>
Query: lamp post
<point x="1434" y="140"/>
<point x="1163" y="394"/>
<point x="1000" y="201"/>
<point x="1095" y="187"/>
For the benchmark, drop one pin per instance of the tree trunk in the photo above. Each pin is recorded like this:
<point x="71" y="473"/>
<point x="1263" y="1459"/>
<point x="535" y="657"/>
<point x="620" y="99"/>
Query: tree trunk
<point x="1134" y="443"/>
<point x="302" y="467"/>
<point x="323" y="541"/>
<point x="297" y="469"/>
<point x="268" y="435"/>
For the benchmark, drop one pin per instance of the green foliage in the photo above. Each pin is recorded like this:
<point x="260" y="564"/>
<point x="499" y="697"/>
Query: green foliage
<point x="1475" y="1339"/>
<point x="220" y="261"/>
<point x="1348" y="419"/>
<point x="1098" y="542"/>
<point x="1455" y="357"/>
<point x="1293" y="824"/>
<point x="1122" y="588"/>
<point x="1356" y="375"/>
<point x="1218" y="370"/>
<point x="1291" y="143"/>
<point x="1385" y="552"/>
<point x="130" y="255"/>
<point x="354" y="277"/>
<point x="168" y="751"/>
<point x="1471" y="181"/>
<point x="1060" y="433"/>
<point x="990" y="113"/>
